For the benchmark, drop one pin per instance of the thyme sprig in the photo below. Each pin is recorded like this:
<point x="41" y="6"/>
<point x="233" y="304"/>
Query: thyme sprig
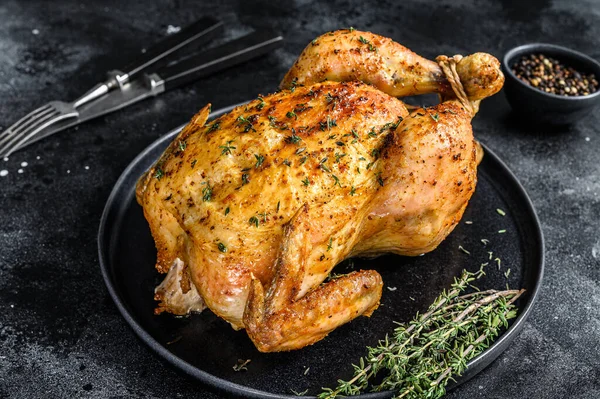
<point x="421" y="357"/>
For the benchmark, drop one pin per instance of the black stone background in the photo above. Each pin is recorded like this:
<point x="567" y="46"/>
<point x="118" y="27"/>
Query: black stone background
<point x="61" y="335"/>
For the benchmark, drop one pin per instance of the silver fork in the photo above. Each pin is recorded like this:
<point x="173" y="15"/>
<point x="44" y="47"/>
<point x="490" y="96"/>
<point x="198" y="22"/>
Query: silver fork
<point x="35" y="122"/>
<point x="53" y="112"/>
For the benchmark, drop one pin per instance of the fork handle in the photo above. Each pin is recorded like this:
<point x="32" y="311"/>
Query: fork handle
<point x="218" y="58"/>
<point x="205" y="28"/>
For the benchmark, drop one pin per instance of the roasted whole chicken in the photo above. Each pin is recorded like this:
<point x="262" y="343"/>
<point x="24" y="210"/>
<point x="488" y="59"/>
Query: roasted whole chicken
<point x="251" y="212"/>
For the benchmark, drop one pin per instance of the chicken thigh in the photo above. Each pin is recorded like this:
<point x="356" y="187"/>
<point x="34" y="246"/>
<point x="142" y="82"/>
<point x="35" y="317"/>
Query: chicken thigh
<point x="251" y="212"/>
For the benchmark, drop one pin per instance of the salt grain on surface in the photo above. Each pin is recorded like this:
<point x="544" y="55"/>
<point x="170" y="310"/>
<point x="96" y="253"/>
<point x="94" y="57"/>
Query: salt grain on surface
<point x="173" y="29"/>
<point x="35" y="31"/>
<point x="68" y="170"/>
<point x="20" y="171"/>
<point x="3" y="172"/>
<point x="5" y="159"/>
<point x="86" y="167"/>
<point x="38" y="157"/>
<point x="587" y="139"/>
<point x="23" y="164"/>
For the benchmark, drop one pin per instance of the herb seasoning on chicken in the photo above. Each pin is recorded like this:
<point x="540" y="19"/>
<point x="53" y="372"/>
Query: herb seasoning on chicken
<point x="317" y="187"/>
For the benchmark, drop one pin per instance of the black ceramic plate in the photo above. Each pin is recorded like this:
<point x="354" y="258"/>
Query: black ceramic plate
<point x="207" y="348"/>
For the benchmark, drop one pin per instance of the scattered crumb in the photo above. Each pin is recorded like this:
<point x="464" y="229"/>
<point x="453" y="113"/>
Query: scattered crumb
<point x="143" y="51"/>
<point x="86" y="167"/>
<point x="3" y="172"/>
<point x="501" y="212"/>
<point x="68" y="170"/>
<point x="501" y="231"/>
<point x="35" y="31"/>
<point x="392" y="288"/>
<point x="460" y="247"/>
<point x="241" y="365"/>
<point x="5" y="159"/>
<point x="20" y="171"/>
<point x="468" y="222"/>
<point x="306" y="371"/>
<point x="587" y="139"/>
<point x="38" y="157"/>
<point x="173" y="29"/>
<point x="411" y="298"/>
<point x="176" y="339"/>
<point x="24" y="164"/>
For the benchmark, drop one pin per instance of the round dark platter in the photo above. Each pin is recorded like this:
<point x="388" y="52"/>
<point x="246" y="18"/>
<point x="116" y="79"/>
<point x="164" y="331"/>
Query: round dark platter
<point x="207" y="348"/>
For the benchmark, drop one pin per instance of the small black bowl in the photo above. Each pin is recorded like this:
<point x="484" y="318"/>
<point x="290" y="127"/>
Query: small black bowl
<point x="541" y="107"/>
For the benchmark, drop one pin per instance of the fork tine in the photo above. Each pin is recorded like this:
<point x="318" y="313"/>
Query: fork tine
<point x="26" y="126"/>
<point x="18" y="138"/>
<point x="18" y="123"/>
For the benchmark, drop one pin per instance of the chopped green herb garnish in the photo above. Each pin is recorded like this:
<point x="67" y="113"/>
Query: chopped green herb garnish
<point x="380" y="179"/>
<point x="182" y="145"/>
<point x="254" y="220"/>
<point x="464" y="250"/>
<point x="287" y="162"/>
<point x="501" y="212"/>
<point x="293" y="84"/>
<point x="245" y="179"/>
<point x="352" y="191"/>
<point x="294" y="139"/>
<point x="305" y="181"/>
<point x="501" y="231"/>
<point x="291" y="114"/>
<point x="302" y="160"/>
<point x="365" y="41"/>
<point x="329" y="246"/>
<point x="278" y="204"/>
<point x="300" y="150"/>
<point x="259" y="160"/>
<point x="246" y="123"/>
<point x="222" y="247"/>
<point x="336" y="181"/>
<point x="339" y="156"/>
<point x="159" y="173"/>
<point x="435" y="117"/>
<point x="213" y="127"/>
<point x="226" y="149"/>
<point x="226" y="211"/>
<point x="261" y="104"/>
<point x="207" y="192"/>
<point x="193" y="163"/>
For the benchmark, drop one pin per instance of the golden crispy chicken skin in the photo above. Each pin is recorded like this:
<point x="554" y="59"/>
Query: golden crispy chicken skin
<point x="251" y="212"/>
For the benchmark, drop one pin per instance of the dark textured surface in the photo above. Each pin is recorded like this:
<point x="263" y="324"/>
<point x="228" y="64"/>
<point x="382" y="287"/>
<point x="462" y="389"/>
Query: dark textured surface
<point x="60" y="334"/>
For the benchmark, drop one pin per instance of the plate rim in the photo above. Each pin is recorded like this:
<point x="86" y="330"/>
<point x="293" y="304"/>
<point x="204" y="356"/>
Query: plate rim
<point x="474" y="366"/>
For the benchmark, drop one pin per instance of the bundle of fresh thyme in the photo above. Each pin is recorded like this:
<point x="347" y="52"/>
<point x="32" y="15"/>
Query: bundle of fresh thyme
<point x="420" y="358"/>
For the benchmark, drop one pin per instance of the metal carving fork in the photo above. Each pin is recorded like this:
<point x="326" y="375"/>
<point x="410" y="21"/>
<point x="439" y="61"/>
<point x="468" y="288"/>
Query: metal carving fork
<point x="136" y="83"/>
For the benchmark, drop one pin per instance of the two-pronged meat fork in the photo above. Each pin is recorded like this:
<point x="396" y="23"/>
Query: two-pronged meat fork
<point x="148" y="76"/>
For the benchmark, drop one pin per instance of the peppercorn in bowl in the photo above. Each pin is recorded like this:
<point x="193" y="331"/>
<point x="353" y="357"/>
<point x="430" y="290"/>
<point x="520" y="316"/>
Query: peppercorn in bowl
<point x="551" y="84"/>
